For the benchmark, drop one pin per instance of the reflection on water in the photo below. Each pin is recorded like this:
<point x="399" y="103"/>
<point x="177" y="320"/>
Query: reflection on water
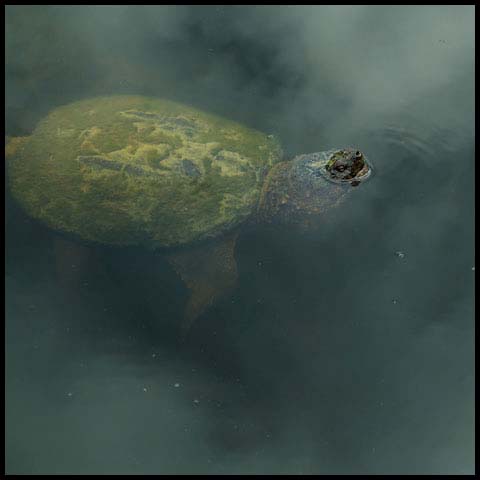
<point x="334" y="354"/>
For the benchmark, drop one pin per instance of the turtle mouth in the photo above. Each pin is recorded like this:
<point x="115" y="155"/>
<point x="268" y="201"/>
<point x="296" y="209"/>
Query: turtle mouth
<point x="363" y="173"/>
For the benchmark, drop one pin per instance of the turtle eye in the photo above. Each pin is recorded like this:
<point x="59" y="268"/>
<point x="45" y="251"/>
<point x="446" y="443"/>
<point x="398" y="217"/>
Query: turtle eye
<point x="358" y="154"/>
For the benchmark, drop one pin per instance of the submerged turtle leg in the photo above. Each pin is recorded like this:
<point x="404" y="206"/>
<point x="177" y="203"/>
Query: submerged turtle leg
<point x="209" y="271"/>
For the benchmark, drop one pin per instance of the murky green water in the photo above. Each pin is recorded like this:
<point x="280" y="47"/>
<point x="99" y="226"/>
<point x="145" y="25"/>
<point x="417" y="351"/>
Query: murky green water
<point x="345" y="350"/>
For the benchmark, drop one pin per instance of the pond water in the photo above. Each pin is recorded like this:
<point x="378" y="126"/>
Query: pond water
<point x="345" y="350"/>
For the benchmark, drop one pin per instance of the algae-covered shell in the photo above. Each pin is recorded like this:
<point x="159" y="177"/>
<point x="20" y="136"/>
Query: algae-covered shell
<point x="132" y="170"/>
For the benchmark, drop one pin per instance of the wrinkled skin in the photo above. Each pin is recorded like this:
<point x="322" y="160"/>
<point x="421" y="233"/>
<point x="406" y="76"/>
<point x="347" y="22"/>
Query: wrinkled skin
<point x="311" y="184"/>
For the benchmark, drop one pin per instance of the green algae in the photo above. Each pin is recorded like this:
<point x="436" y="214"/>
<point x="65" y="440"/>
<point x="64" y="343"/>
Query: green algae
<point x="149" y="201"/>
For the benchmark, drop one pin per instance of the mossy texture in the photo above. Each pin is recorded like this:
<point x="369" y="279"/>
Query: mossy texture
<point x="131" y="170"/>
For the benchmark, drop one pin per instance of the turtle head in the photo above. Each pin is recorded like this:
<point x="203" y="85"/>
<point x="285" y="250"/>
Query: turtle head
<point x="347" y="166"/>
<point x="314" y="183"/>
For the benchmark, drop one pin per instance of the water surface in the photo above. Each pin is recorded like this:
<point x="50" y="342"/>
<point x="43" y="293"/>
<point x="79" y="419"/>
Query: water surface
<point x="345" y="350"/>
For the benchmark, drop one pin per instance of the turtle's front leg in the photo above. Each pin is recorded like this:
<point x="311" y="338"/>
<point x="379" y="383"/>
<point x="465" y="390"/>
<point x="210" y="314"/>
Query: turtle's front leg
<point x="209" y="271"/>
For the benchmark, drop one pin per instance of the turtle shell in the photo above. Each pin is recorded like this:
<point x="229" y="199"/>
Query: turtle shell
<point x="132" y="170"/>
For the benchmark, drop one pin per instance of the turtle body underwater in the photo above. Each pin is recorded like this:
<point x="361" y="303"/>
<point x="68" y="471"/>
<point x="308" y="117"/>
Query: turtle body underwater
<point x="138" y="171"/>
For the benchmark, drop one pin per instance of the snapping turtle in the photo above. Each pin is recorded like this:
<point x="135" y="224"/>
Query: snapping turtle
<point x="131" y="170"/>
